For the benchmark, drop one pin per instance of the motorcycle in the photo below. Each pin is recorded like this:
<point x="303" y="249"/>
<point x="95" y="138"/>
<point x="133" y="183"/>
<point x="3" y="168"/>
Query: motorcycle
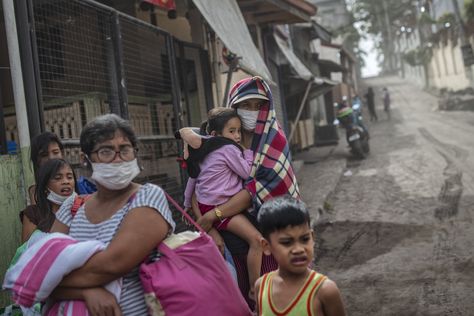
<point x="357" y="134"/>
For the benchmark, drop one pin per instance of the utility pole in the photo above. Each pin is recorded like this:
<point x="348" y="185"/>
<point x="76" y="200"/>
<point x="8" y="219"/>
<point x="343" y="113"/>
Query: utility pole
<point x="466" y="47"/>
<point x="421" y="35"/>
<point x="400" y="57"/>
<point x="18" y="92"/>
<point x="389" y="34"/>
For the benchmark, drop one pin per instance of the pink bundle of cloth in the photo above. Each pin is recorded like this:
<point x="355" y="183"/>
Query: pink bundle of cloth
<point x="43" y="265"/>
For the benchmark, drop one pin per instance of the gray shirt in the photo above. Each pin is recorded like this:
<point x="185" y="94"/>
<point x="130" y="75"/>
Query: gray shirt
<point x="132" y="301"/>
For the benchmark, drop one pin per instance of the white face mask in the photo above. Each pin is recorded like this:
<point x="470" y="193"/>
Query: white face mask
<point x="57" y="199"/>
<point x="115" y="176"/>
<point x="249" y="119"/>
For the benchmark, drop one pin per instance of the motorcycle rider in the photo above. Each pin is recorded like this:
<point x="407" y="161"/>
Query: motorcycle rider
<point x="356" y="133"/>
<point x="355" y="112"/>
<point x="386" y="102"/>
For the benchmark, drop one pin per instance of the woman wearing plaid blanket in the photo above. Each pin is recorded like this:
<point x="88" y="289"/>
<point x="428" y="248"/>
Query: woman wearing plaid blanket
<point x="271" y="174"/>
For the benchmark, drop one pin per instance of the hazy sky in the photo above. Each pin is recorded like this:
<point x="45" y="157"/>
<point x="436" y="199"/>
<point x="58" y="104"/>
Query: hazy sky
<point x="367" y="45"/>
<point x="371" y="65"/>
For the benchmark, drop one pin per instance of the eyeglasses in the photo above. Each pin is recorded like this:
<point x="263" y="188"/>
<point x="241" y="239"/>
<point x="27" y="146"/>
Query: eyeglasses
<point x="106" y="155"/>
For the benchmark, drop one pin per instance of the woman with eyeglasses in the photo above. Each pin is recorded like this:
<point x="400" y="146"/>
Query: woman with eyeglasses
<point x="131" y="218"/>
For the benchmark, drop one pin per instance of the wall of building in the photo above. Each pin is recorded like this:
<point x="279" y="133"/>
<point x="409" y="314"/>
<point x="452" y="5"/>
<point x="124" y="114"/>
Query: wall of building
<point x="12" y="187"/>
<point x="440" y="7"/>
<point x="332" y="14"/>
<point x="414" y="74"/>
<point x="178" y="27"/>
<point x="12" y="201"/>
<point x="304" y="134"/>
<point x="447" y="68"/>
<point x="405" y="43"/>
<point x="318" y="111"/>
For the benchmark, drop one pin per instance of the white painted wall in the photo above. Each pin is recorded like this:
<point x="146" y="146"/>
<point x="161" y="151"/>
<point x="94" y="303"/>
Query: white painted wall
<point x="447" y="68"/>
<point x="325" y="52"/>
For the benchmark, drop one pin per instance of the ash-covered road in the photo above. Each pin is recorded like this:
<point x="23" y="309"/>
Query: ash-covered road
<point x="397" y="235"/>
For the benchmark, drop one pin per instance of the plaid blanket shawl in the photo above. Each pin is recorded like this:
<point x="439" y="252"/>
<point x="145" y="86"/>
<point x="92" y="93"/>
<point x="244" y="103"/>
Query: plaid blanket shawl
<point x="272" y="174"/>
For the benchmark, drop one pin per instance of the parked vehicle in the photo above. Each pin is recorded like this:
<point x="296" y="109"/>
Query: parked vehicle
<point x="356" y="133"/>
<point x="357" y="108"/>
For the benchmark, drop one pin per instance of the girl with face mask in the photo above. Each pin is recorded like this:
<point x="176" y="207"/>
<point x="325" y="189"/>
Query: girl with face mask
<point x="132" y="219"/>
<point x="222" y="170"/>
<point x="56" y="182"/>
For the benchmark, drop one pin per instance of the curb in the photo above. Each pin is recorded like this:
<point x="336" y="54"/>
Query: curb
<point x="318" y="180"/>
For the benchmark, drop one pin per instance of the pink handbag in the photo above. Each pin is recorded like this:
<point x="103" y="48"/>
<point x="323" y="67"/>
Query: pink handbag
<point x="192" y="279"/>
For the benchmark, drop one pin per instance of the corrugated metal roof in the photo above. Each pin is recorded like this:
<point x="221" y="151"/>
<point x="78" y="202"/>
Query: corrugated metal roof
<point x="277" y="11"/>
<point x="226" y="20"/>
<point x="301" y="70"/>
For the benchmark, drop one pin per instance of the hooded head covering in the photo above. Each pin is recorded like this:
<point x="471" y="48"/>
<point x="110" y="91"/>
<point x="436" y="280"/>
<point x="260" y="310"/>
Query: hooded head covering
<point x="272" y="174"/>
<point x="249" y="88"/>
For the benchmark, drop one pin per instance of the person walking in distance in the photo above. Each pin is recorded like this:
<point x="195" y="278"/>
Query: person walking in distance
<point x="386" y="102"/>
<point x="370" y="104"/>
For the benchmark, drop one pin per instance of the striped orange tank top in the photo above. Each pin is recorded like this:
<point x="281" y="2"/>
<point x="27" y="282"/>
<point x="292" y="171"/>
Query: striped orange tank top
<point x="300" y="305"/>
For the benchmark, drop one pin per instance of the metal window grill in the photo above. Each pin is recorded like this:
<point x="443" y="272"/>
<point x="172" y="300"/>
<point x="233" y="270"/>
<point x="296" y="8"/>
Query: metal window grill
<point x="93" y="60"/>
<point x="192" y="71"/>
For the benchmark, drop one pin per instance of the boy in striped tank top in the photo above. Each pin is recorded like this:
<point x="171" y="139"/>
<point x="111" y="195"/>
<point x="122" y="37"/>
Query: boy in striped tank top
<point x="293" y="289"/>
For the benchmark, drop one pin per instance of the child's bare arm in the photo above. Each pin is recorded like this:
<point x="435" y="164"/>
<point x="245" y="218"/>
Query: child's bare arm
<point x="212" y="232"/>
<point x="190" y="137"/>
<point x="257" y="290"/>
<point x="330" y="298"/>
<point x="195" y="206"/>
<point x="188" y="194"/>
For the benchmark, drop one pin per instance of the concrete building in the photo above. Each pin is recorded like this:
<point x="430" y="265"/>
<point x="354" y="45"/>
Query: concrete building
<point x="160" y="67"/>
<point x="445" y="69"/>
<point x="335" y="60"/>
<point x="332" y="14"/>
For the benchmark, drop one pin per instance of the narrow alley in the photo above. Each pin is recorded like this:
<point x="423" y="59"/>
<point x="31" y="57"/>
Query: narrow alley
<point x="395" y="230"/>
<point x="280" y="84"/>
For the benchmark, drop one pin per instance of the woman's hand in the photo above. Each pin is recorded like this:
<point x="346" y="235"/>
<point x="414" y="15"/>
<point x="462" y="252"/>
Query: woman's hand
<point x="206" y="221"/>
<point x="217" y="239"/>
<point x="185" y="220"/>
<point x="101" y="302"/>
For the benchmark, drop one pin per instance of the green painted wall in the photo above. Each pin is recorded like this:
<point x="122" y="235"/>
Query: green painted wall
<point x="12" y="201"/>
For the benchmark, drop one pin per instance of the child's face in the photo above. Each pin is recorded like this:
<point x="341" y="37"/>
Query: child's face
<point x="62" y="182"/>
<point x="292" y="247"/>
<point x="232" y="130"/>
<point x="54" y="151"/>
